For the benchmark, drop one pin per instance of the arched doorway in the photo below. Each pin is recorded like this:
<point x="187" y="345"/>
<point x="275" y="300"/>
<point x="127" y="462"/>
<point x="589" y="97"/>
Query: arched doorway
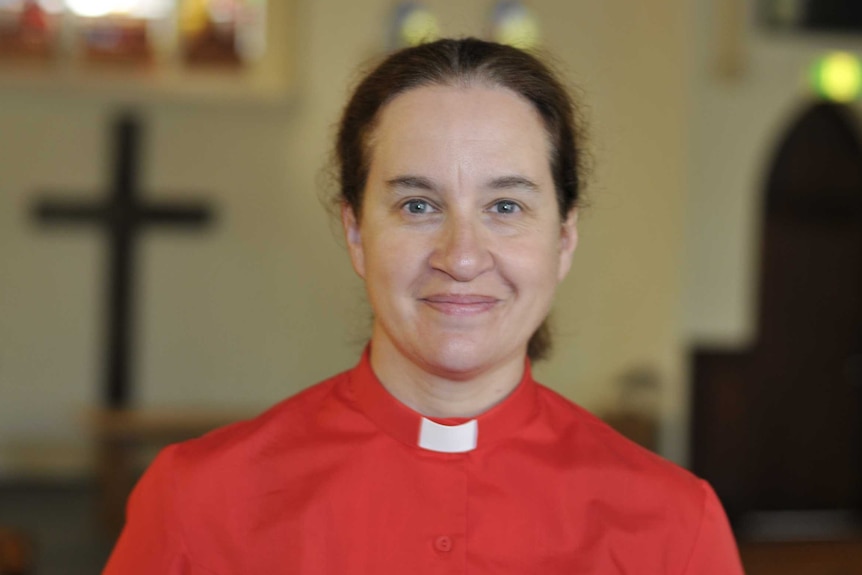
<point x="778" y="427"/>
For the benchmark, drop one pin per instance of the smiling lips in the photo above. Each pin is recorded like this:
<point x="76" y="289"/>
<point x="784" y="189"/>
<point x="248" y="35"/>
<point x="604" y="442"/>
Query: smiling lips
<point x="460" y="304"/>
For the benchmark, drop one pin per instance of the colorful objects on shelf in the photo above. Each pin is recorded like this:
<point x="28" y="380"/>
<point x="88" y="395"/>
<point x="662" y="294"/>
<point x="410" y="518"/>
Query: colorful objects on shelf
<point x="27" y="30"/>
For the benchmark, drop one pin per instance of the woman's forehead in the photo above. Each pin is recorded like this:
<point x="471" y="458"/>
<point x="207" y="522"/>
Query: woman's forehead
<point x="450" y="105"/>
<point x="455" y="123"/>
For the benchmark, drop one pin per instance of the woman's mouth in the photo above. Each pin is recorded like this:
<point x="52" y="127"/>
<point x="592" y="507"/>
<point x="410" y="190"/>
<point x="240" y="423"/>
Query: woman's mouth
<point x="460" y="304"/>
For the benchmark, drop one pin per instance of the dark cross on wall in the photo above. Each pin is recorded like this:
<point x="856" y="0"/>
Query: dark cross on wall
<point x="122" y="216"/>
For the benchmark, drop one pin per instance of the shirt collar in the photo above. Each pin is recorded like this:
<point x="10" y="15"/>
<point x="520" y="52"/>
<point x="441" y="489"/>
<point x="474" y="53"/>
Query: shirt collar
<point x="452" y="434"/>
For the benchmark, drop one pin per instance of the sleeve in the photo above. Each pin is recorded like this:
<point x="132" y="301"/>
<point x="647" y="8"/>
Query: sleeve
<point x="714" y="551"/>
<point x="151" y="541"/>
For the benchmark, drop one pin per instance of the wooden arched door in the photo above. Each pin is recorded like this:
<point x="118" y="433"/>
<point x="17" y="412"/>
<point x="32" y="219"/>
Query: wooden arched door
<point x="779" y="426"/>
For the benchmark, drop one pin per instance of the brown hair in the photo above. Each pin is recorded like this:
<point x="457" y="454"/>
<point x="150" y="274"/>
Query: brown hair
<point x="462" y="62"/>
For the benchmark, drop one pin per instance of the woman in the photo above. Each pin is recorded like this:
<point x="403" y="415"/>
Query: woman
<point x="438" y="451"/>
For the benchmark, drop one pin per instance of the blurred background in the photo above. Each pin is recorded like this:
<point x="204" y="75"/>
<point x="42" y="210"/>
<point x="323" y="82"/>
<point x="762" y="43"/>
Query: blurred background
<point x="167" y="263"/>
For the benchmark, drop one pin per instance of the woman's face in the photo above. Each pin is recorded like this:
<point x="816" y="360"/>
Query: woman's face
<point x="461" y="244"/>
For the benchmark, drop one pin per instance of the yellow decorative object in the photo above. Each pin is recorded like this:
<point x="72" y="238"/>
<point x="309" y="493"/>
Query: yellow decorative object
<point x="194" y="16"/>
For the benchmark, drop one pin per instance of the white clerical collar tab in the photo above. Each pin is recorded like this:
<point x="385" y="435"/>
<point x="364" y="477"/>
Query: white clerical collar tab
<point x="448" y="438"/>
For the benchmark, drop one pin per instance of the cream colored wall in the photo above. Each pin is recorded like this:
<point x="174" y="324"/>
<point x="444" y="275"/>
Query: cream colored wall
<point x="618" y="310"/>
<point x="266" y="304"/>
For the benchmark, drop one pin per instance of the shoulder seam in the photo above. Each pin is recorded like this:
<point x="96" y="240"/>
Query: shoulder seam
<point x="701" y="484"/>
<point x="171" y="452"/>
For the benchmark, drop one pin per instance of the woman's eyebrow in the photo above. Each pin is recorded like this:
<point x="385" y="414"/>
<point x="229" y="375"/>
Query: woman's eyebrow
<point x="410" y="182"/>
<point x="509" y="182"/>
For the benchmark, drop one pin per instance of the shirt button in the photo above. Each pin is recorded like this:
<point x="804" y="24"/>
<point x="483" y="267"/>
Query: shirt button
<point x="443" y="544"/>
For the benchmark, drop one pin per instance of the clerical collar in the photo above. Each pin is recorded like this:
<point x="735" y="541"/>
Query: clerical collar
<point x="446" y="435"/>
<point x="459" y="438"/>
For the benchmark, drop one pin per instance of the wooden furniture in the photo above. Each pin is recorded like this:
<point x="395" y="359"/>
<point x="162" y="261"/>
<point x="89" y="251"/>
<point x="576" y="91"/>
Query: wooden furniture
<point x="777" y="424"/>
<point x="802" y="558"/>
<point x="16" y="553"/>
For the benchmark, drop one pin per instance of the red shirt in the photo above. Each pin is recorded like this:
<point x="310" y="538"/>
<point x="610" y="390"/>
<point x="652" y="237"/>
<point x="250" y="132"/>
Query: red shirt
<point x="333" y="481"/>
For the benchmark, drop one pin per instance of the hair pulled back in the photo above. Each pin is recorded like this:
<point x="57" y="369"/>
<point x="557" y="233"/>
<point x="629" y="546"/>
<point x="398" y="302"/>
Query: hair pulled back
<point x="461" y="62"/>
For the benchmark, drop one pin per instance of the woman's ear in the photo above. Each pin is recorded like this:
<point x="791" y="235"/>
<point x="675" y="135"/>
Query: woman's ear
<point x="354" y="238"/>
<point x="568" y="242"/>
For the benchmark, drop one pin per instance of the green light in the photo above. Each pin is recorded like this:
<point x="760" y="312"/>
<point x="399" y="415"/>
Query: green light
<point x="837" y="77"/>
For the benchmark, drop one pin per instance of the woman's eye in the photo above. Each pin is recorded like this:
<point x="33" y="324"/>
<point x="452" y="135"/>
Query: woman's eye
<point x="417" y="207"/>
<point x="506" y="207"/>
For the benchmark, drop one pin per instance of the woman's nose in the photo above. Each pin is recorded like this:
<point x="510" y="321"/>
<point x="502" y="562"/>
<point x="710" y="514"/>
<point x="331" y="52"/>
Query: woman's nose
<point x="462" y="250"/>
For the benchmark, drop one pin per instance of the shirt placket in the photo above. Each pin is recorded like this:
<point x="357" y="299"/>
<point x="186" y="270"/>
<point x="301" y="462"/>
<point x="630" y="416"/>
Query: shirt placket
<point x="447" y="529"/>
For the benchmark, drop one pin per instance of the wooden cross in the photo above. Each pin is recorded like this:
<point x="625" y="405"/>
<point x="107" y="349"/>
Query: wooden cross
<point x="122" y="215"/>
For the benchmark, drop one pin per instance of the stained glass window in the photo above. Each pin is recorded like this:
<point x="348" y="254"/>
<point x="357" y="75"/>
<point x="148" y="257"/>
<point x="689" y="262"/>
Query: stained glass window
<point x="513" y="24"/>
<point x="412" y="24"/>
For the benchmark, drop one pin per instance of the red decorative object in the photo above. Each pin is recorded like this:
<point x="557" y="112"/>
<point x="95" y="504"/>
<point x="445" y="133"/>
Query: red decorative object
<point x="27" y="33"/>
<point x="214" y="45"/>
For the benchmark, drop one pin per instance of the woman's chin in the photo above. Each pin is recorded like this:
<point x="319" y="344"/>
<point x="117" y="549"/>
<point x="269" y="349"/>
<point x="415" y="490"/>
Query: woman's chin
<point x="461" y="359"/>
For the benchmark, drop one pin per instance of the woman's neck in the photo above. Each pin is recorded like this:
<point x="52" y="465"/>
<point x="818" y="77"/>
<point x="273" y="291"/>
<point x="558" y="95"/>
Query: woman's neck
<point x="437" y="393"/>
